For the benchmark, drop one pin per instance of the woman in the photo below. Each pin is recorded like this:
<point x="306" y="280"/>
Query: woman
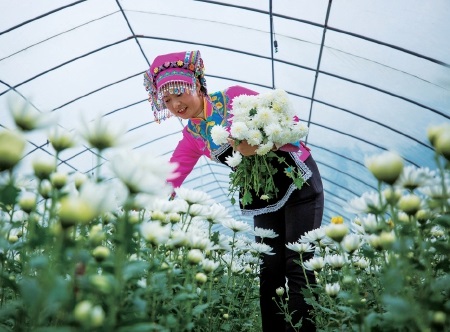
<point x="177" y="86"/>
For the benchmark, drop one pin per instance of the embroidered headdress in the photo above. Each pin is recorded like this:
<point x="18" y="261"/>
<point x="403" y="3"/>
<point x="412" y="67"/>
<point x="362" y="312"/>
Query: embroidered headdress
<point x="172" y="73"/>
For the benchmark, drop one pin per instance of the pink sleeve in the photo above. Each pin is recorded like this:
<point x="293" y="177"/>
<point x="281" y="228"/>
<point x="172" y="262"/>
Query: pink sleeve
<point x="186" y="155"/>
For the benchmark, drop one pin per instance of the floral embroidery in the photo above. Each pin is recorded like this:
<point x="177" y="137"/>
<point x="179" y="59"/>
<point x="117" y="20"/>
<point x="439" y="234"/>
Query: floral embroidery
<point x="216" y="113"/>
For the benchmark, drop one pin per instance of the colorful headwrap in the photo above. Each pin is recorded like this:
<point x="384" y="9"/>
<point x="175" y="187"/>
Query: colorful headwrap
<point x="172" y="73"/>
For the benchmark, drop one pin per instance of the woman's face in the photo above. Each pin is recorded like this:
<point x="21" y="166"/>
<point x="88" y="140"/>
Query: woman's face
<point x="185" y="105"/>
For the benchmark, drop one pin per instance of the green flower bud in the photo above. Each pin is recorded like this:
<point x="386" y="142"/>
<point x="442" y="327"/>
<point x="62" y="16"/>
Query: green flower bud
<point x="101" y="283"/>
<point x="409" y="204"/>
<point x="27" y="202"/>
<point x="386" y="239"/>
<point x="392" y="196"/>
<point x="45" y="189"/>
<point x="443" y="143"/>
<point x="13" y="238"/>
<point x="61" y="139"/>
<point x="58" y="179"/>
<point x="386" y="167"/>
<point x="336" y="231"/>
<point x="100" y="253"/>
<point x="434" y="132"/>
<point x="201" y="277"/>
<point x="195" y="256"/>
<point x="74" y="210"/>
<point x="280" y="291"/>
<point x="439" y="317"/>
<point x="79" y="179"/>
<point x="43" y="167"/>
<point x="12" y="146"/>
<point x="97" y="316"/>
<point x="82" y="312"/>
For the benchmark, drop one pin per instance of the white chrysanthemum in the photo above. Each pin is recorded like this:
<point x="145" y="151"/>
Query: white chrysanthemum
<point x="370" y="224"/>
<point x="209" y="265"/>
<point x="369" y="202"/>
<point x="332" y="289"/>
<point x="314" y="264"/>
<point x="195" y="241"/>
<point x="26" y="116"/>
<point x="192" y="196"/>
<point x="254" y="137"/>
<point x="219" y="135"/>
<point x="335" y="261"/>
<point x="239" y="130"/>
<point x="262" y="248"/>
<point x="280" y="100"/>
<point x="300" y="247"/>
<point x="298" y="131"/>
<point x="101" y="134"/>
<point x="104" y="196"/>
<point x="264" y="233"/>
<point x="243" y="102"/>
<point x="361" y="262"/>
<point x="351" y="242"/>
<point x="264" y="148"/>
<point x="236" y="225"/>
<point x="413" y="177"/>
<point x="155" y="233"/>
<point x="314" y="235"/>
<point x="216" y="213"/>
<point x="273" y="131"/>
<point x="142" y="173"/>
<point x="234" y="160"/>
<point x="264" y="117"/>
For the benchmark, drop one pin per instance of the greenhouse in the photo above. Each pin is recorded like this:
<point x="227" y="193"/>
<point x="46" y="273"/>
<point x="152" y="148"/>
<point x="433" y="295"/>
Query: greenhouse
<point x="97" y="233"/>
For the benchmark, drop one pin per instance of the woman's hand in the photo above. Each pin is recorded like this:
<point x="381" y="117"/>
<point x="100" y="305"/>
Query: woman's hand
<point x="243" y="147"/>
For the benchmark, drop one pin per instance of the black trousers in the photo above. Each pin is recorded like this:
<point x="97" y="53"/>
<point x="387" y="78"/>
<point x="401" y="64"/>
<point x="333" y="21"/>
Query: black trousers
<point x="302" y="212"/>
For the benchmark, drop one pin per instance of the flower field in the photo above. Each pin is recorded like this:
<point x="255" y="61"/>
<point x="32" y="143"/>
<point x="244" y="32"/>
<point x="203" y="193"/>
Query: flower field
<point x="83" y="252"/>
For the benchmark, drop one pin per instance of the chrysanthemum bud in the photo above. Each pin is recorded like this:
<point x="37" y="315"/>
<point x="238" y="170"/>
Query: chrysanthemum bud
<point x="45" y="189"/>
<point x="280" y="291"/>
<point x="79" y="180"/>
<point x="100" y="253"/>
<point x="12" y="145"/>
<point x="386" y="239"/>
<point x="332" y="289"/>
<point x="386" y="167"/>
<point x="74" y="210"/>
<point x="82" y="311"/>
<point x="391" y="195"/>
<point x="409" y="204"/>
<point x="58" y="179"/>
<point x="13" y="238"/>
<point x="434" y="132"/>
<point x="336" y="231"/>
<point x="195" y="256"/>
<point x="61" y="139"/>
<point x="101" y="283"/>
<point x="442" y="144"/>
<point x="97" y="316"/>
<point x="43" y="167"/>
<point x="201" y="277"/>
<point x="27" y="202"/>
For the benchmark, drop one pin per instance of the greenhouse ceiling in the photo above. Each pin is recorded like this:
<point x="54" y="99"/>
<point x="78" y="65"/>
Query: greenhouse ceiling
<point x="365" y="76"/>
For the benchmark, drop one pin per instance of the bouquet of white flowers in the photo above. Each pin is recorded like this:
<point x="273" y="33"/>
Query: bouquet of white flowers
<point x="264" y="120"/>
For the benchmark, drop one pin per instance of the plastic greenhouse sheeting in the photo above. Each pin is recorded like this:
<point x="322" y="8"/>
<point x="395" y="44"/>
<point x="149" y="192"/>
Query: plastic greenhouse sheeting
<point x="365" y="76"/>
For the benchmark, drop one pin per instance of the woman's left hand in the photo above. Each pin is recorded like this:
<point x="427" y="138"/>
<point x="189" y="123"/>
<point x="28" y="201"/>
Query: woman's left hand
<point x="243" y="147"/>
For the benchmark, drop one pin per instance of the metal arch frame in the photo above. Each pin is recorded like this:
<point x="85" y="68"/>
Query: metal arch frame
<point x="317" y="70"/>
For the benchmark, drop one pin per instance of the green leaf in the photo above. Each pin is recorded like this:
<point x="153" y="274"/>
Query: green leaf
<point x="198" y="309"/>
<point x="8" y="195"/>
<point x="142" y="327"/>
<point x="134" y="269"/>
